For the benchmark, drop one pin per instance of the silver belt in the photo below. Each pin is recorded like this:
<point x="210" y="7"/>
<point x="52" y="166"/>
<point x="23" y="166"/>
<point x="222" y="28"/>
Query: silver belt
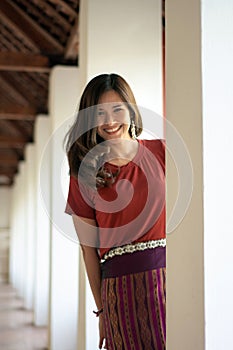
<point x="134" y="247"/>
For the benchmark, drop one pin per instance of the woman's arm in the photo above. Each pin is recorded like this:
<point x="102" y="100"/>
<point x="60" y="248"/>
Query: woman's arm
<point x="92" y="264"/>
<point x="87" y="232"/>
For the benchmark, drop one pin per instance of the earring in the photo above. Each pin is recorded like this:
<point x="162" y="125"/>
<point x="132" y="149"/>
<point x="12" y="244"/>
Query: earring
<point x="133" y="130"/>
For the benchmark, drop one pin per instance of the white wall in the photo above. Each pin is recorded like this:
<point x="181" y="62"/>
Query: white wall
<point x="125" y="37"/>
<point x="217" y="29"/>
<point x="121" y="37"/>
<point x="185" y="253"/>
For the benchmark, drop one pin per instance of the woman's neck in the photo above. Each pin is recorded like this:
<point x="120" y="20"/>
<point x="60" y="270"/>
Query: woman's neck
<point x="122" y="151"/>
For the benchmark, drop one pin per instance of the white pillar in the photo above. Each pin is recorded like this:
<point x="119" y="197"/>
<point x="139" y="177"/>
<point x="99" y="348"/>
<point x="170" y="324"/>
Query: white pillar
<point x="5" y="207"/>
<point x="30" y="188"/>
<point x="123" y="37"/>
<point x="42" y="244"/>
<point x="18" y="235"/>
<point x="185" y="265"/>
<point x="64" y="95"/>
<point x="217" y="29"/>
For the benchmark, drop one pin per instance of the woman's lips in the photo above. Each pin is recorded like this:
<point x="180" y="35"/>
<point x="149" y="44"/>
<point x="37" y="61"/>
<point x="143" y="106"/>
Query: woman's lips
<point x="113" y="130"/>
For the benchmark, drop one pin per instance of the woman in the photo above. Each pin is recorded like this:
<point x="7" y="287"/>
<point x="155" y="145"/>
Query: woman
<point x="117" y="201"/>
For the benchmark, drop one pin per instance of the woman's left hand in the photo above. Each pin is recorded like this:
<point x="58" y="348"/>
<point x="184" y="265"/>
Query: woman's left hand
<point x="102" y="337"/>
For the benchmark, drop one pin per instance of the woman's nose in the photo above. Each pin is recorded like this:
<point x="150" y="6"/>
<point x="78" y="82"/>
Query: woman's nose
<point x="110" y="119"/>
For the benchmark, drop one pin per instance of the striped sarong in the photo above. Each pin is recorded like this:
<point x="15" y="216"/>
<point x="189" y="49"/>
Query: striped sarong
<point x="135" y="303"/>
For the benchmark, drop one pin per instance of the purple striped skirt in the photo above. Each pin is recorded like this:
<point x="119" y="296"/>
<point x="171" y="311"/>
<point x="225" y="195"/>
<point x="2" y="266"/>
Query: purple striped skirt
<point x="134" y="300"/>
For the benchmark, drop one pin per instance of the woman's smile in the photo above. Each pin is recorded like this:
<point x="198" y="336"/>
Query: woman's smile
<point x="112" y="129"/>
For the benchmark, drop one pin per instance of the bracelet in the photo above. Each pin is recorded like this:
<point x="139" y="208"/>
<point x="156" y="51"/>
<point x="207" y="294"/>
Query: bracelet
<point x="98" y="312"/>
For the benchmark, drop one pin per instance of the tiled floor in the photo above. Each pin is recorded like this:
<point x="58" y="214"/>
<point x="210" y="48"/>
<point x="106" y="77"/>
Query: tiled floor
<point x="16" y="329"/>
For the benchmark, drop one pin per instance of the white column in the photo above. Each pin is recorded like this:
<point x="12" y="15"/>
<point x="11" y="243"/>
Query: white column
<point x="5" y="207"/>
<point x="42" y="244"/>
<point x="123" y="37"/>
<point x="30" y="231"/>
<point x="217" y="29"/>
<point x="18" y="235"/>
<point x="64" y="95"/>
<point x="185" y="265"/>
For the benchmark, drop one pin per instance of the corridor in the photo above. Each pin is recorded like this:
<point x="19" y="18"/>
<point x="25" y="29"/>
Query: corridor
<point x="16" y="328"/>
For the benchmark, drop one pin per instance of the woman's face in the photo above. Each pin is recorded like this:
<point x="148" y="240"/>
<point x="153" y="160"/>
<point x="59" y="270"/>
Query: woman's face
<point x="113" y="117"/>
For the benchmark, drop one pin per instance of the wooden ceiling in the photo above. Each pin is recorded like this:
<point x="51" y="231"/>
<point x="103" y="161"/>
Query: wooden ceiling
<point x="35" y="35"/>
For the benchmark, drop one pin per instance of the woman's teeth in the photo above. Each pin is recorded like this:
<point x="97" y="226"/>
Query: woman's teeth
<point x="113" y="129"/>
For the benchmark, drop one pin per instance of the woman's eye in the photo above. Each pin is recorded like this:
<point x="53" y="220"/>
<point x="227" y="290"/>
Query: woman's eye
<point x="100" y="113"/>
<point x="117" y="110"/>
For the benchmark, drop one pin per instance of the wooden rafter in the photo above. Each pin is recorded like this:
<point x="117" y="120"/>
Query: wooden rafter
<point x="16" y="61"/>
<point x="16" y="29"/>
<point x="9" y="172"/>
<point x="48" y="10"/>
<point x="8" y="160"/>
<point x="12" y="142"/>
<point x="66" y="8"/>
<point x="35" y="36"/>
<point x="71" y="50"/>
<point x="17" y="112"/>
<point x="29" y="87"/>
<point x="13" y="91"/>
<point x="53" y="26"/>
<point x="30" y="28"/>
<point x="18" y="129"/>
<point x="18" y="152"/>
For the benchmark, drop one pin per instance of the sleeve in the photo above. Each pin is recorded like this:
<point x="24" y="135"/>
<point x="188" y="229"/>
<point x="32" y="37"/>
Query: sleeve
<point x="160" y="154"/>
<point x="79" y="201"/>
<point x="157" y="147"/>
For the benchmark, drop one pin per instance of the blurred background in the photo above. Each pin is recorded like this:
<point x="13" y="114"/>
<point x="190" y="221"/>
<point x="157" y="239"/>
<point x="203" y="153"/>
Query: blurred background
<point x="49" y="51"/>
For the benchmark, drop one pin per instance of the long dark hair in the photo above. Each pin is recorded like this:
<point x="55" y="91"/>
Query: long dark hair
<point x="82" y="136"/>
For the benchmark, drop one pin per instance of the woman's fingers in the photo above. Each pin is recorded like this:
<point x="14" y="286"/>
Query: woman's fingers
<point x="101" y="333"/>
<point x="101" y="342"/>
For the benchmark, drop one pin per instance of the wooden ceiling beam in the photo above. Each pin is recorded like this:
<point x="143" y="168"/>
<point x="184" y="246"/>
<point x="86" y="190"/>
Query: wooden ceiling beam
<point x="18" y="152"/>
<point x="17" y="113"/>
<point x="30" y="28"/>
<point x="12" y="90"/>
<point x="52" y="24"/>
<point x="18" y="116"/>
<point x="8" y="184"/>
<point x="72" y="46"/>
<point x="10" y="172"/>
<point x="15" y="28"/>
<point x="15" y="127"/>
<point x="12" y="142"/>
<point x="22" y="62"/>
<point x="65" y="7"/>
<point x="49" y="10"/>
<point x="8" y="160"/>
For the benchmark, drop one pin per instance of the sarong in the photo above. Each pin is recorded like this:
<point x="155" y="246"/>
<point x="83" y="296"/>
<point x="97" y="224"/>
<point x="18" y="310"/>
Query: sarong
<point x="134" y="301"/>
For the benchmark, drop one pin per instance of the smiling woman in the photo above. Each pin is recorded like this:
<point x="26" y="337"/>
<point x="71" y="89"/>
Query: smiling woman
<point x="117" y="201"/>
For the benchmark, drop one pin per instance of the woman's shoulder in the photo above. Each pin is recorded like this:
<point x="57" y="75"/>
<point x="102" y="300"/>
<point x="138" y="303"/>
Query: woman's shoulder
<point x="157" y="148"/>
<point x="154" y="144"/>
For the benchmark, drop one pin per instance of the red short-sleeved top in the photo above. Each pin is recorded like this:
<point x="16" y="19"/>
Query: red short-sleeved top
<point x="133" y="208"/>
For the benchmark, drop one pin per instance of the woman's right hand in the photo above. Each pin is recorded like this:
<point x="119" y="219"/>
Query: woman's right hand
<point x="102" y="337"/>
